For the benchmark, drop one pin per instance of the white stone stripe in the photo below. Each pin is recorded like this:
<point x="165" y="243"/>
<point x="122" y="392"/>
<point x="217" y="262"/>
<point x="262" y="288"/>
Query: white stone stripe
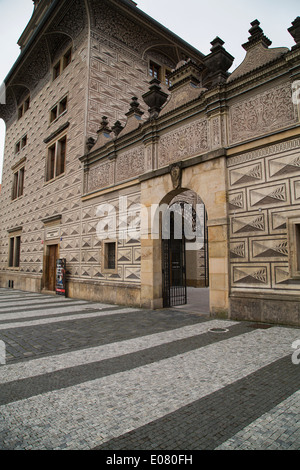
<point x="88" y="414"/>
<point x="35" y="302"/>
<point x="24" y="295"/>
<point x="76" y="358"/>
<point x="263" y="434"/>
<point x="51" y="311"/>
<point x="44" y="321"/>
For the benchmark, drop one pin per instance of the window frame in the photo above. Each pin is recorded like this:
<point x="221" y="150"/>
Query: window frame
<point x="62" y="63"/>
<point x="21" y="144"/>
<point x="294" y="246"/>
<point x="14" y="249"/>
<point x="54" y="153"/>
<point x="155" y="68"/>
<point x="23" y="107"/>
<point x="59" y="109"/>
<point x="105" y="261"/>
<point x="18" y="183"/>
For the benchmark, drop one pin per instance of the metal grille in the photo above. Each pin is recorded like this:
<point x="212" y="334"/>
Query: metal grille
<point x="174" y="273"/>
<point x="174" y="258"/>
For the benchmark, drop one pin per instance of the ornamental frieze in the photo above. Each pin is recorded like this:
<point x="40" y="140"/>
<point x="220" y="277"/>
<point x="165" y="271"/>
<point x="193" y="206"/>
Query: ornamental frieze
<point x="263" y="113"/>
<point x="116" y="26"/>
<point x="100" y="176"/>
<point x="130" y="164"/>
<point x="184" y="142"/>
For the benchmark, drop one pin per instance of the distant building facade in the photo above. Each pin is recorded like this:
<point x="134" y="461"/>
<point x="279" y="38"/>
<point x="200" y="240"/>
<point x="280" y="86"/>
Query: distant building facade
<point x="111" y="119"/>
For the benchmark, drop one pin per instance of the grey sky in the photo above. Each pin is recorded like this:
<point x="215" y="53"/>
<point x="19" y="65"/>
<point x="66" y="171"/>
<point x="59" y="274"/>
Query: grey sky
<point x="197" y="22"/>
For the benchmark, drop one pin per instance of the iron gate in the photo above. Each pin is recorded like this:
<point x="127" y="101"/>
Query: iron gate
<point x="174" y="271"/>
<point x="174" y="256"/>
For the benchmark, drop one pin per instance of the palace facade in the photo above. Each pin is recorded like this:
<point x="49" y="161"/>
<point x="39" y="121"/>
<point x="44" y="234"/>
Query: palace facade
<point x="112" y="122"/>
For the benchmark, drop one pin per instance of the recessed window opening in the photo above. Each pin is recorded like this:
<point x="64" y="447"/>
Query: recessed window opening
<point x="18" y="183"/>
<point x="63" y="62"/>
<point x="56" y="159"/>
<point x="14" y="251"/>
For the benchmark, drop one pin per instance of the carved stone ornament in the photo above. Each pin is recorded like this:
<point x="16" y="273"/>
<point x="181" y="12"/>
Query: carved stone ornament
<point x="176" y="174"/>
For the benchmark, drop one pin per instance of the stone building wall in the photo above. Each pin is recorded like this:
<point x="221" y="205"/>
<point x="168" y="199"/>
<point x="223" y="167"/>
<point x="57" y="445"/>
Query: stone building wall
<point x="42" y="200"/>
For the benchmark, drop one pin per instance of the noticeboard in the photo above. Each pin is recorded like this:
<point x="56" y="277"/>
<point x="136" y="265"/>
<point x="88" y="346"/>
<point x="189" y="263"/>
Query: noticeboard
<point x="61" y="277"/>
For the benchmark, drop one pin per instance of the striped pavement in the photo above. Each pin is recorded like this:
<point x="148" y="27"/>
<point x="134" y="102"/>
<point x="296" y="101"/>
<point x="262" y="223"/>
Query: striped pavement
<point x="82" y="375"/>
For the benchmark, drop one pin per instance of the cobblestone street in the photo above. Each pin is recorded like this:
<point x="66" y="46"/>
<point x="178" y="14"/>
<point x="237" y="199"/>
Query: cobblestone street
<point x="85" y="375"/>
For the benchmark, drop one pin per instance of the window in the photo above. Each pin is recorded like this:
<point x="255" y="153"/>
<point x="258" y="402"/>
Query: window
<point x="294" y="246"/>
<point x="23" y="107"/>
<point x="58" y="109"/>
<point x="56" y="159"/>
<point x="168" y="81"/>
<point x="21" y="144"/>
<point x="63" y="62"/>
<point x="109" y="257"/>
<point x="154" y="70"/>
<point x="14" y="250"/>
<point x="160" y="73"/>
<point x="18" y="183"/>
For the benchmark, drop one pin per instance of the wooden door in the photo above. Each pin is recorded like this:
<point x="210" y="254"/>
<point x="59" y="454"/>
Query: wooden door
<point x="52" y="251"/>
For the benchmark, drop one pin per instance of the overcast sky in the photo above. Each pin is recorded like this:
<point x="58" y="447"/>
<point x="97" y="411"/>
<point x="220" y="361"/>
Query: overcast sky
<point x="197" y="22"/>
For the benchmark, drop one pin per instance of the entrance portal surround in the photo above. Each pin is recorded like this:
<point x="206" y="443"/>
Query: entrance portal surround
<point x="208" y="180"/>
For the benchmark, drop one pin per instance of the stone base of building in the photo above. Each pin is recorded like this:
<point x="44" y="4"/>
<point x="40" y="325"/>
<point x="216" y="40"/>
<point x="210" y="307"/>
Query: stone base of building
<point x="277" y="309"/>
<point x="116" y="294"/>
<point x="24" y="282"/>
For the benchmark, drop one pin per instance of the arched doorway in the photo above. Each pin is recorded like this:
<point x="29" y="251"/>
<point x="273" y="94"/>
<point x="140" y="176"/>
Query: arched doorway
<point x="208" y="180"/>
<point x="185" y="263"/>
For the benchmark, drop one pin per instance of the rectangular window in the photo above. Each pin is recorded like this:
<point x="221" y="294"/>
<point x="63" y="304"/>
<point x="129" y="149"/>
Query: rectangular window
<point x="53" y="114"/>
<point x="63" y="62"/>
<point x="14" y="251"/>
<point x="23" y="107"/>
<point x="109" y="257"/>
<point x="18" y="183"/>
<point x="297" y="241"/>
<point x="63" y="105"/>
<point x="56" y="159"/>
<point x="168" y="81"/>
<point x="67" y="58"/>
<point x="24" y="141"/>
<point x="294" y="246"/>
<point x="154" y="70"/>
<point x="21" y="144"/>
<point x="58" y="109"/>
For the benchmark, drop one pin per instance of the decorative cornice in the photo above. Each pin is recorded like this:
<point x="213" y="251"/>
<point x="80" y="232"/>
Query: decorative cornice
<point x="57" y="132"/>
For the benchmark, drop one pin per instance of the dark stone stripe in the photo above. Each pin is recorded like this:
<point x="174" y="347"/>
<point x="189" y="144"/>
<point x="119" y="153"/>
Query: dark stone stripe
<point x="25" y="297"/>
<point x="70" y="335"/>
<point x="41" y="306"/>
<point x="87" y="310"/>
<point x="208" y="422"/>
<point x="32" y="386"/>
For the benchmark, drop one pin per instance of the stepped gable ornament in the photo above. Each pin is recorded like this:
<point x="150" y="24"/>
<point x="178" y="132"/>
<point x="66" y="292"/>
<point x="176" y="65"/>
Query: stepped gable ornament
<point x="256" y="35"/>
<point x="155" y="98"/>
<point x="90" y="143"/>
<point x="134" y="118"/>
<point x="117" y="128"/>
<point x="294" y="31"/>
<point x="218" y="62"/>
<point x="258" y="52"/>
<point x="104" y="134"/>
<point x="186" y="86"/>
<point x="175" y="170"/>
<point x="134" y="108"/>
